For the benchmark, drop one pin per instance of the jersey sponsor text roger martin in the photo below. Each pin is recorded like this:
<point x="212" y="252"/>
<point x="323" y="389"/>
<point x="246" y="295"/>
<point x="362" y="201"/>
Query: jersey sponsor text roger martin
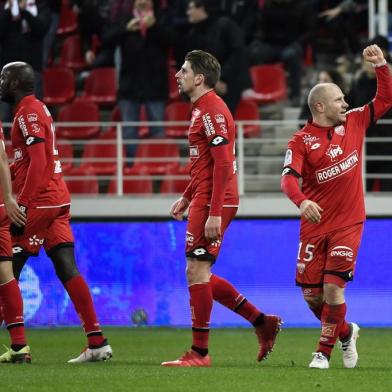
<point x="338" y="169"/>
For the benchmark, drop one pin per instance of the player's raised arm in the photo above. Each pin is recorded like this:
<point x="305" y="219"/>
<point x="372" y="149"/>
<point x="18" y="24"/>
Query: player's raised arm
<point x="383" y="99"/>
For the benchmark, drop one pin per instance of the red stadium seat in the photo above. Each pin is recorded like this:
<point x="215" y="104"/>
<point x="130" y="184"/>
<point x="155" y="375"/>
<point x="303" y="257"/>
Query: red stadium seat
<point x="58" y="85"/>
<point x="78" y="111"/>
<point x="133" y="185"/>
<point x="176" y="185"/>
<point x="177" y="111"/>
<point x="107" y="152"/>
<point x="82" y="181"/>
<point x="71" y="53"/>
<point x="248" y="110"/>
<point x="269" y="80"/>
<point x="68" y="22"/>
<point x="157" y="158"/>
<point x="66" y="156"/>
<point x="101" y="86"/>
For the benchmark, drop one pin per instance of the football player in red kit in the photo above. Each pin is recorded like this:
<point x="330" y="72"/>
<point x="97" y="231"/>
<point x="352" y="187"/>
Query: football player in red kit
<point x="43" y="195"/>
<point x="327" y="155"/>
<point x="212" y="198"/>
<point x="10" y="297"/>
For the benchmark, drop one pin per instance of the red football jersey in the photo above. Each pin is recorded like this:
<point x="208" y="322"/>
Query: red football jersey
<point x="329" y="160"/>
<point x="33" y="124"/>
<point x="211" y="144"/>
<point x="1" y="193"/>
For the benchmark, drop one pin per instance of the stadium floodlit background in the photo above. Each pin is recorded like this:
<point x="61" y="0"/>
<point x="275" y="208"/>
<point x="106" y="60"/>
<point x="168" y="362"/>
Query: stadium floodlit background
<point x="136" y="268"/>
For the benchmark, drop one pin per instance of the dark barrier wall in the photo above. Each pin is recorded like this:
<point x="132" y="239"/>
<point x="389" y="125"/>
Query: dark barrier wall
<point x="136" y="274"/>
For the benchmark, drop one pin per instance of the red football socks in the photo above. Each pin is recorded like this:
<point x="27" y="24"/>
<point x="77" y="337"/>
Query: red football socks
<point x="13" y="312"/>
<point x="79" y="293"/>
<point x="227" y="295"/>
<point x="332" y="319"/>
<point x="344" y="328"/>
<point x="201" y="307"/>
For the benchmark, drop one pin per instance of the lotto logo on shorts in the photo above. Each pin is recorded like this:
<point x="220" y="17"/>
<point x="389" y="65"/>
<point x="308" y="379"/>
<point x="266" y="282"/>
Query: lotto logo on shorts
<point x="342" y="251"/>
<point x="328" y="330"/>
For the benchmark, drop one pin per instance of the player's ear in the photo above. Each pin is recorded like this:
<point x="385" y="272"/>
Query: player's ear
<point x="199" y="79"/>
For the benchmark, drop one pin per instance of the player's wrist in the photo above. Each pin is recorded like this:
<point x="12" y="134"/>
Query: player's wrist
<point x="379" y="64"/>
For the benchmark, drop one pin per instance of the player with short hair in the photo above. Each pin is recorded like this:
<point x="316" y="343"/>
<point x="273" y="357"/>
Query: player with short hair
<point x="10" y="297"/>
<point x="327" y="154"/>
<point x="43" y="195"/>
<point x="212" y="198"/>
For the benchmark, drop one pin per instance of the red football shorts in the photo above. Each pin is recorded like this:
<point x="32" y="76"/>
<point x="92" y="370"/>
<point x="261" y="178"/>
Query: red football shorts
<point x="5" y="237"/>
<point x="47" y="227"/>
<point x="328" y="258"/>
<point x="197" y="247"/>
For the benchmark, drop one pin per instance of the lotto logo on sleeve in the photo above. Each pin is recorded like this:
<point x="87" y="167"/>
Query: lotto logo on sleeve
<point x="218" y="141"/>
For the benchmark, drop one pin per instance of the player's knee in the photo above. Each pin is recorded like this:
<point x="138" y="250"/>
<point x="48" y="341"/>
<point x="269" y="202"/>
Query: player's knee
<point x="197" y="271"/>
<point x="333" y="294"/>
<point x="314" y="301"/>
<point x="63" y="259"/>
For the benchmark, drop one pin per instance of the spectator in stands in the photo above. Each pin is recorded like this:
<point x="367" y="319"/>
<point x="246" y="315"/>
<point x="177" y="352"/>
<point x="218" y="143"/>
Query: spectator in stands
<point x="93" y="17"/>
<point x="244" y="13"/>
<point x="327" y="75"/>
<point x="144" y="39"/>
<point x="223" y="38"/>
<point x="23" y="25"/>
<point x="285" y="28"/>
<point x="362" y="91"/>
<point x="342" y="20"/>
<point x="49" y="40"/>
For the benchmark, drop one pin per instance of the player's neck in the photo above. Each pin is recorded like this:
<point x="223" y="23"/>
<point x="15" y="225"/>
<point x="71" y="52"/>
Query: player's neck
<point x="199" y="93"/>
<point x="323" y="122"/>
<point x="19" y="96"/>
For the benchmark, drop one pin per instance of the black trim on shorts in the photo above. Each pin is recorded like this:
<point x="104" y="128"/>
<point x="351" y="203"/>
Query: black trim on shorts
<point x="206" y="330"/>
<point x="6" y="258"/>
<point x="23" y="253"/>
<point x="243" y="302"/>
<point x="309" y="285"/>
<point x="347" y="276"/>
<point x="15" y="325"/>
<point x="59" y="246"/>
<point x="204" y="255"/>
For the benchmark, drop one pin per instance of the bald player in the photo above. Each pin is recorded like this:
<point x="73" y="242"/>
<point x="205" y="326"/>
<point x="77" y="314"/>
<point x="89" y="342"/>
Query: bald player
<point x="43" y="196"/>
<point x="327" y="154"/>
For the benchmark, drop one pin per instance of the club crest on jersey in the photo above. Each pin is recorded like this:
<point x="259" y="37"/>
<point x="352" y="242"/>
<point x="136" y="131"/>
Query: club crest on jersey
<point x="339" y="130"/>
<point x="334" y="151"/>
<point x="32" y="117"/>
<point x="220" y="118"/>
<point x="309" y="139"/>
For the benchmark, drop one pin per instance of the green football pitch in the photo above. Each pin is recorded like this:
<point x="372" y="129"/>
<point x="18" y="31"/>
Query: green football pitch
<point x="139" y="351"/>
